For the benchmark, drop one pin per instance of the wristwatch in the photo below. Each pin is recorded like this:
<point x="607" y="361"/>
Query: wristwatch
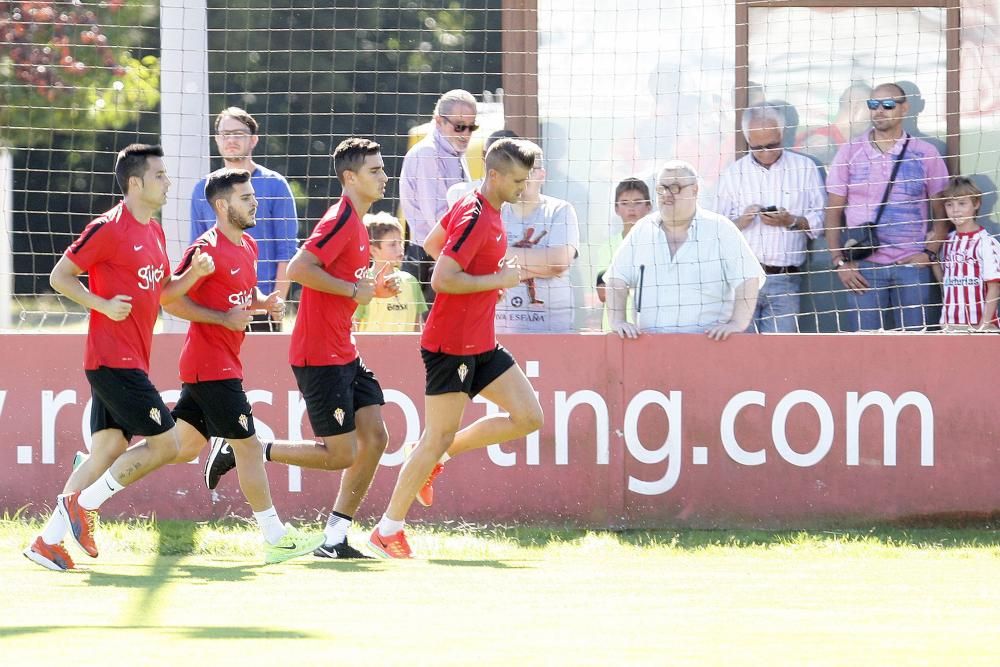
<point x="839" y="262"/>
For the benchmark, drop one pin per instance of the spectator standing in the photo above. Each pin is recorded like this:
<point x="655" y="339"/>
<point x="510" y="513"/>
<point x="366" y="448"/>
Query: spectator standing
<point x="776" y="198"/>
<point x="970" y="261"/>
<point x="690" y="269"/>
<point x="893" y="287"/>
<point x="432" y="166"/>
<point x="277" y="227"/>
<point x="545" y="238"/>
<point x="632" y="203"/>
<point x="404" y="311"/>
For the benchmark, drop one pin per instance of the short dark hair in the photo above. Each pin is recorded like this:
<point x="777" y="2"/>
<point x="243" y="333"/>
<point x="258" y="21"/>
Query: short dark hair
<point x="220" y="183"/>
<point x="131" y="162"/>
<point x="240" y="115"/>
<point x="496" y="136"/>
<point x="350" y="154"/>
<point x="506" y="152"/>
<point x="629" y="184"/>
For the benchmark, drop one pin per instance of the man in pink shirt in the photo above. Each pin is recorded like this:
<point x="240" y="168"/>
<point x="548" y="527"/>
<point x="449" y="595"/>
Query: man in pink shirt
<point x="893" y="288"/>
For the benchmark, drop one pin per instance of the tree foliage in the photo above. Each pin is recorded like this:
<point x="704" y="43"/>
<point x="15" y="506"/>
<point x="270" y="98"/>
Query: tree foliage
<point x="68" y="66"/>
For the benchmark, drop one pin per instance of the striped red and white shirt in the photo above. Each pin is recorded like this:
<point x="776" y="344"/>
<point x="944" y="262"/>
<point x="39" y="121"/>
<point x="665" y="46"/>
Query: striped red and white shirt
<point x="969" y="260"/>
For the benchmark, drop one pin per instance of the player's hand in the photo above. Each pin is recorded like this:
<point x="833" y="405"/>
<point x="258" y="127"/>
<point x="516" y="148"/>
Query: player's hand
<point x="721" y="332"/>
<point x="275" y="306"/>
<point x="237" y="318"/>
<point x="779" y="218"/>
<point x="852" y="278"/>
<point x="202" y="264"/>
<point x="117" y="308"/>
<point x="366" y="291"/>
<point x="625" y="329"/>
<point x="510" y="274"/>
<point x="500" y="294"/>
<point x="387" y="284"/>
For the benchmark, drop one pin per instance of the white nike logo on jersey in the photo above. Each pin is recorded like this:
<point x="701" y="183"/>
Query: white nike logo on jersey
<point x="361" y="248"/>
<point x="499" y="236"/>
<point x="233" y="272"/>
<point x="137" y="248"/>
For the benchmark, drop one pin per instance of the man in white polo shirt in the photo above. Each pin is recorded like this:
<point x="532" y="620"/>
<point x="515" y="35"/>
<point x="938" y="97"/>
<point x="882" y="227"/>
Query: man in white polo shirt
<point x="690" y="269"/>
<point x="776" y="198"/>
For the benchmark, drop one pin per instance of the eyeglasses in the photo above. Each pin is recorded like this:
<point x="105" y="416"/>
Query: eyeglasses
<point x="673" y="188"/>
<point x="235" y="134"/>
<point x="461" y="127"/>
<point x="632" y="202"/>
<point x="889" y="103"/>
<point x="766" y="147"/>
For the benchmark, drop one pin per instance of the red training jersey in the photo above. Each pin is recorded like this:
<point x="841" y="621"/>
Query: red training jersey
<point x="122" y="256"/>
<point x="462" y="324"/>
<point x="969" y="260"/>
<point x="322" y="334"/>
<point x="211" y="351"/>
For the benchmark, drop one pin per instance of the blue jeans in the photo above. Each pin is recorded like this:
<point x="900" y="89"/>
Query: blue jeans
<point x="777" y="305"/>
<point x="899" y="296"/>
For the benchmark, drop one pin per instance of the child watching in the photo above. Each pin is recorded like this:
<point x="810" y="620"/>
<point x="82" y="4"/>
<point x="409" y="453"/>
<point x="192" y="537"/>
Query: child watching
<point x="970" y="261"/>
<point x="403" y="312"/>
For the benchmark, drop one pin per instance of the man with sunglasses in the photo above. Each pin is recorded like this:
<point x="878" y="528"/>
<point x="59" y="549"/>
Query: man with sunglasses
<point x="277" y="229"/>
<point x="776" y="198"/>
<point x="432" y="166"/>
<point x="690" y="270"/>
<point x="894" y="287"/>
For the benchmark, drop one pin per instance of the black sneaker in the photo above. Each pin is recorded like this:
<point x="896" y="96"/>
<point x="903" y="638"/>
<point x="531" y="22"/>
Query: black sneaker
<point x="220" y="461"/>
<point x="342" y="550"/>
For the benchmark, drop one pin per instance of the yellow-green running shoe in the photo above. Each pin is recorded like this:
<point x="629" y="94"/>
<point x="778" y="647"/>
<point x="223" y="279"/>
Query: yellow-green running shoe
<point x="295" y="543"/>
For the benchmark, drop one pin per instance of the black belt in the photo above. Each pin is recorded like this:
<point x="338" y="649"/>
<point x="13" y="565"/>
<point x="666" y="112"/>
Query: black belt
<point x="771" y="270"/>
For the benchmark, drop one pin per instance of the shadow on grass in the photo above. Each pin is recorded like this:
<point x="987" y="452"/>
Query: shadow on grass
<point x="180" y="632"/>
<point x="491" y="564"/>
<point x="922" y="532"/>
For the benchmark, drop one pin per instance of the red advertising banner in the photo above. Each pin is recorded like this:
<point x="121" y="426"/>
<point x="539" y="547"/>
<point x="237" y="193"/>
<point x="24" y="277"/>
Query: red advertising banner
<point x="671" y="430"/>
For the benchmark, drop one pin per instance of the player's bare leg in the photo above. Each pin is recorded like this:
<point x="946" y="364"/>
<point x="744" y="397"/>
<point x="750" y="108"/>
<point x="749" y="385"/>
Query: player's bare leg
<point x="372" y="439"/>
<point x="191" y="442"/>
<point x="252" y="476"/>
<point x="512" y="391"/>
<point x="336" y="452"/>
<point x="105" y="448"/>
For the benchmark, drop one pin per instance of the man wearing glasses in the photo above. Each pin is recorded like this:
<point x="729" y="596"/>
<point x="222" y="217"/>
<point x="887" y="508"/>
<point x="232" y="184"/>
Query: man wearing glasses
<point x="277" y="227"/>
<point x="690" y="270"/>
<point x="432" y="166"/>
<point x="776" y="198"/>
<point x="893" y="288"/>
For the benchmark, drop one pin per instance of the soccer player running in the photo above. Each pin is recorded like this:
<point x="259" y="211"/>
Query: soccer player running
<point x="220" y="307"/>
<point x="343" y="398"/>
<point x="123" y="253"/>
<point x="461" y="355"/>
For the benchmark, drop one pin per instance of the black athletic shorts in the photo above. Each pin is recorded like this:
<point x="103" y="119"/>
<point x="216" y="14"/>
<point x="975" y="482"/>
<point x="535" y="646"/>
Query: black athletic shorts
<point x="125" y="399"/>
<point x="334" y="393"/>
<point x="449" y="373"/>
<point x="216" y="408"/>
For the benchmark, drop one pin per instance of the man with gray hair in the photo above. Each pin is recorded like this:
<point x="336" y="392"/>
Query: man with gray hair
<point x="432" y="166"/>
<point x="690" y="269"/>
<point x="776" y="198"/>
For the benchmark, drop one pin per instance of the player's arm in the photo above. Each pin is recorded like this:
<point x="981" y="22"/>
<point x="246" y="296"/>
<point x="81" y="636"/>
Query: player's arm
<point x="236" y="318"/>
<point x="176" y="286"/>
<point x="435" y="240"/>
<point x="544" y="262"/>
<point x="307" y="270"/>
<point x="450" y="278"/>
<point x="65" y="279"/>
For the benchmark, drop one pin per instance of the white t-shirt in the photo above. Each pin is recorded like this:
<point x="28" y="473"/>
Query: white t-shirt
<point x="693" y="290"/>
<point x="547" y="305"/>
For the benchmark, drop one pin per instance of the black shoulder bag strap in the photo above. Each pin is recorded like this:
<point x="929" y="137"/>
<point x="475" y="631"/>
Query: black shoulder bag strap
<point x="892" y="179"/>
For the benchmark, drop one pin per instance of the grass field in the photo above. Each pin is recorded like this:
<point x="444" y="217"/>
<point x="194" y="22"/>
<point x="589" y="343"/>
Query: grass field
<point x="181" y="593"/>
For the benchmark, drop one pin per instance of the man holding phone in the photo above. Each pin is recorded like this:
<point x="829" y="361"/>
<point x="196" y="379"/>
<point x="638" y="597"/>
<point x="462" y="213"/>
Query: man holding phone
<point x="776" y="199"/>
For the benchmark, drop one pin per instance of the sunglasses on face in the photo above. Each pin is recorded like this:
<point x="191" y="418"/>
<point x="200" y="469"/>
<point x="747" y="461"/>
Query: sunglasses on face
<point x="673" y="188"/>
<point x="461" y="127"/>
<point x="767" y="147"/>
<point x="888" y="103"/>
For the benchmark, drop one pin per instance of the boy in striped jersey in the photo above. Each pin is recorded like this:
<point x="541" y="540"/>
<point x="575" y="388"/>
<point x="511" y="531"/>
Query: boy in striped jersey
<point x="970" y="261"/>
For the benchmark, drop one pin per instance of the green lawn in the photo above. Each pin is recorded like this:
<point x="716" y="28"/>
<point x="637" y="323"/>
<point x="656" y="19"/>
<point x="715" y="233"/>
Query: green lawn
<point x="161" y="591"/>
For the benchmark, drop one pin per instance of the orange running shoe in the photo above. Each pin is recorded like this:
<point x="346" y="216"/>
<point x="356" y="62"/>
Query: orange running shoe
<point x="53" y="556"/>
<point x="81" y="522"/>
<point x="425" y="496"/>
<point x="394" y="546"/>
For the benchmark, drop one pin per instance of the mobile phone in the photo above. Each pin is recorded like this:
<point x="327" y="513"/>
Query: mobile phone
<point x="769" y="209"/>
